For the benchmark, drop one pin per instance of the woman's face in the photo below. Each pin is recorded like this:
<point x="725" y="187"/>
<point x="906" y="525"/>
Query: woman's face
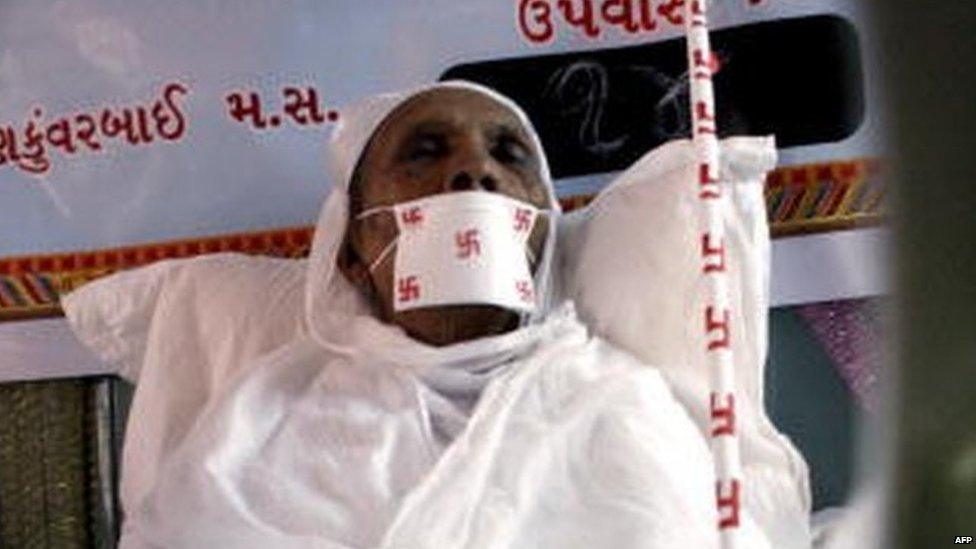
<point x="440" y="141"/>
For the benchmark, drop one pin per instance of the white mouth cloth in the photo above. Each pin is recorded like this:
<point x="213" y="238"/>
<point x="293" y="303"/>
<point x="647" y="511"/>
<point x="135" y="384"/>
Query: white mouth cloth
<point x="461" y="248"/>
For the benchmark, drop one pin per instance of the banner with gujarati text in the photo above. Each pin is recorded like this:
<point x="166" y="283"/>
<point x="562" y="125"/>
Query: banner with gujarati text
<point x="131" y="131"/>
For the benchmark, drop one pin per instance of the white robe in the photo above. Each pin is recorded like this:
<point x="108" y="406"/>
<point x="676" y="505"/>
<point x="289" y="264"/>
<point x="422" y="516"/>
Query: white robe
<point x="574" y="444"/>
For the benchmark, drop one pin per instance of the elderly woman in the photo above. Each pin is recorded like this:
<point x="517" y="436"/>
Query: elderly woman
<point x="438" y="394"/>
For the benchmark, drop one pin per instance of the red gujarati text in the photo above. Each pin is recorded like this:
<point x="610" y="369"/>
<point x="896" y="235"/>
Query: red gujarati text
<point x="538" y="19"/>
<point x="30" y="149"/>
<point x="300" y="106"/>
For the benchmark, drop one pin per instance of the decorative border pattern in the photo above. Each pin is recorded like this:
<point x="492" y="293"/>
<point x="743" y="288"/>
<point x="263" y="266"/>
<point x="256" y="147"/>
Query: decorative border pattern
<point x="30" y="285"/>
<point x="825" y="197"/>
<point x="799" y="199"/>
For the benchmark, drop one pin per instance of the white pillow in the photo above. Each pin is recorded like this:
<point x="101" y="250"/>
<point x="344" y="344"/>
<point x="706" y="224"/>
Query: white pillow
<point x="632" y="264"/>
<point x="212" y="310"/>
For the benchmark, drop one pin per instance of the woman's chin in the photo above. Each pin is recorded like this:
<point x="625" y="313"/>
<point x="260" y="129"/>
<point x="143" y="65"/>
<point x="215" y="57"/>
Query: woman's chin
<point x="448" y="324"/>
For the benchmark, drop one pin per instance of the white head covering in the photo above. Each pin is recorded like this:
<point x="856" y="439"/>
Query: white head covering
<point x="337" y="313"/>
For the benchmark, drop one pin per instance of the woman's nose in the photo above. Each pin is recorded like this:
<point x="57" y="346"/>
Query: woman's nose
<point x="472" y="169"/>
<point x="472" y="180"/>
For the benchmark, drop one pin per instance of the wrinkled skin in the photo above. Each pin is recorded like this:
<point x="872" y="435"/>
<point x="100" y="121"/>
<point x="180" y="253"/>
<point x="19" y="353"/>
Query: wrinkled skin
<point x="439" y="141"/>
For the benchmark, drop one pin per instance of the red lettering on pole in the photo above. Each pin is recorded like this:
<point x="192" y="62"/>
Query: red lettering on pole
<point x="727" y="496"/>
<point x="701" y="66"/>
<point x="708" y="183"/>
<point x="717" y="329"/>
<point x="723" y="417"/>
<point x="702" y="112"/>
<point x="713" y="256"/>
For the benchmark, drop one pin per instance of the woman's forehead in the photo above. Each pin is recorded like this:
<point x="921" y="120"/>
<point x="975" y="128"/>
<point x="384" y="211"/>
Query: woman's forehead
<point x="451" y="108"/>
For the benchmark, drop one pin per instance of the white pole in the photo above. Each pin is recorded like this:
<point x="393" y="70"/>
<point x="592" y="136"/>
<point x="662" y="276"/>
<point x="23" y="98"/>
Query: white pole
<point x="716" y="316"/>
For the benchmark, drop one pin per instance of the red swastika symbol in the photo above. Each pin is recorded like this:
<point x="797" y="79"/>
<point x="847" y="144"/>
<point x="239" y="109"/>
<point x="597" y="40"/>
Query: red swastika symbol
<point x="408" y="289"/>
<point x="698" y="14"/>
<point x="523" y="219"/>
<point x="728" y="504"/>
<point x="708" y="182"/>
<point x="714" y="256"/>
<point x="707" y="65"/>
<point x="723" y="418"/>
<point x="720" y="326"/>
<point x="413" y="216"/>
<point x="705" y="128"/>
<point x="524" y="290"/>
<point x="468" y="243"/>
<point x="701" y="108"/>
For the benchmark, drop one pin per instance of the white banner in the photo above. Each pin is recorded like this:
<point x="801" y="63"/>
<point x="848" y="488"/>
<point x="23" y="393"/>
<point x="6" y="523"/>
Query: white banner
<point x="123" y="122"/>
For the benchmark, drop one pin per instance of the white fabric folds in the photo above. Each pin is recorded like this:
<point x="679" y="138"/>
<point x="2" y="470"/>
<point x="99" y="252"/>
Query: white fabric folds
<point x="273" y="410"/>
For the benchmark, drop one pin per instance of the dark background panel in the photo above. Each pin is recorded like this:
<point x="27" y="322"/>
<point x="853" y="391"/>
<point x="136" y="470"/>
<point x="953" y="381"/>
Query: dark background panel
<point x="598" y="111"/>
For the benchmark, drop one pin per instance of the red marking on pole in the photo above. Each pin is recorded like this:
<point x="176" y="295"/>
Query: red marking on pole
<point x="728" y="504"/>
<point x="705" y="129"/>
<point x="703" y="112"/>
<point x="706" y="60"/>
<point x="708" y="182"/>
<point x="720" y="326"/>
<point x="714" y="256"/>
<point x="723" y="418"/>
<point x="524" y="289"/>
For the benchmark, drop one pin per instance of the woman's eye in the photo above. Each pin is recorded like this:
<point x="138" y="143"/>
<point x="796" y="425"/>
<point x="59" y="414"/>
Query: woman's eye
<point x="510" y="151"/>
<point x="427" y="147"/>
